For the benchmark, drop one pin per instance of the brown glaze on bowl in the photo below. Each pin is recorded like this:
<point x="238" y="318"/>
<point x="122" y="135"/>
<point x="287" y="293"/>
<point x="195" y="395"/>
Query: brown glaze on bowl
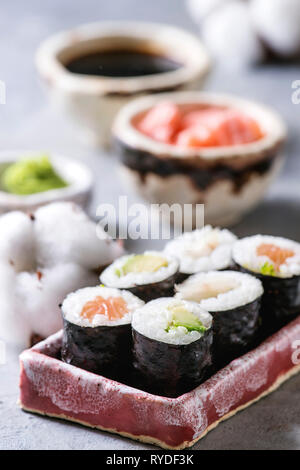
<point x="229" y="180"/>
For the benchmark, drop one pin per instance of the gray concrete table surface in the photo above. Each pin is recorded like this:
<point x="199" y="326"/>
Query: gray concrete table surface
<point x="29" y="122"/>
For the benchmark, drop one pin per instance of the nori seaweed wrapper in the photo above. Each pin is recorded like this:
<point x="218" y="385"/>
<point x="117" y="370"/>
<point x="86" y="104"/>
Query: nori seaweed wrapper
<point x="280" y="301"/>
<point x="104" y="350"/>
<point x="181" y="277"/>
<point x="170" y="370"/>
<point x="235" y="332"/>
<point x="152" y="291"/>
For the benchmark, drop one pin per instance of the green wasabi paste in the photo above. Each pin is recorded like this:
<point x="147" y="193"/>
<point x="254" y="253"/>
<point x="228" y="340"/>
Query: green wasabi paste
<point x="30" y="176"/>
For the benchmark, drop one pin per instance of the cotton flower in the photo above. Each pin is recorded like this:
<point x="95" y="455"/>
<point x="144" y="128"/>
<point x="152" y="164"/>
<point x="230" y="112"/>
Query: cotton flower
<point x="230" y="36"/>
<point x="277" y="22"/>
<point x="44" y="257"/>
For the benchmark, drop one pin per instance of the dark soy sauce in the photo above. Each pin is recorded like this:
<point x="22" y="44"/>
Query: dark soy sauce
<point x="122" y="63"/>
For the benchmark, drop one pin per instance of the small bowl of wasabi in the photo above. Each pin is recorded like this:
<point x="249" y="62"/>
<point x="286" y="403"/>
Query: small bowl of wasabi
<point x="29" y="180"/>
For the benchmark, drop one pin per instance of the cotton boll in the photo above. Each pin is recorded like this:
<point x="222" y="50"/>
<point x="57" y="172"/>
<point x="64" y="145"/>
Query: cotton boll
<point x="13" y="325"/>
<point x="17" y="241"/>
<point x="39" y="294"/>
<point x="230" y="36"/>
<point x="64" y="234"/>
<point x="41" y="261"/>
<point x="200" y="9"/>
<point x="278" y="24"/>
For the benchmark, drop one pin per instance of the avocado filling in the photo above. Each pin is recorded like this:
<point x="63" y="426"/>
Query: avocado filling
<point x="182" y="317"/>
<point x="268" y="269"/>
<point x="142" y="263"/>
<point x="30" y="176"/>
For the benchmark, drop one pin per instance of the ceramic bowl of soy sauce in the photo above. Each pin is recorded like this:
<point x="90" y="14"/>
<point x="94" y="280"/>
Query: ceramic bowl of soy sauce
<point x="93" y="70"/>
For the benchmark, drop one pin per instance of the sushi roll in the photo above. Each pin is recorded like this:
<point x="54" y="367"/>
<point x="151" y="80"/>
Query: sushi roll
<point x="276" y="262"/>
<point x="233" y="299"/>
<point x="97" y="330"/>
<point x="172" y="346"/>
<point x="202" y="250"/>
<point x="149" y="275"/>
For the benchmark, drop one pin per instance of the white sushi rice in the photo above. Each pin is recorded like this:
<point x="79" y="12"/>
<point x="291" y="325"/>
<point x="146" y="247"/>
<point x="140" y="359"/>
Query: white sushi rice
<point x="202" y="250"/>
<point x="153" y="319"/>
<point x="244" y="254"/>
<point x="220" y="290"/>
<point x="75" y="302"/>
<point x="110" y="278"/>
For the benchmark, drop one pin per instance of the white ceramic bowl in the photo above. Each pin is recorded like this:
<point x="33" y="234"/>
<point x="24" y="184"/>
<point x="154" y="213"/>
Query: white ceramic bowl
<point x="229" y="180"/>
<point x="77" y="175"/>
<point x="91" y="101"/>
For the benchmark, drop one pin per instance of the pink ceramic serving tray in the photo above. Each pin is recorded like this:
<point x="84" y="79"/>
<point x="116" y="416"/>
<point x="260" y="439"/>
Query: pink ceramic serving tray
<point x="50" y="387"/>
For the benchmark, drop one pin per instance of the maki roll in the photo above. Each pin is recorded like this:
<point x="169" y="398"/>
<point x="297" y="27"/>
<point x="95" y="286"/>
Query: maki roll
<point x="172" y="346"/>
<point x="202" y="250"/>
<point x="276" y="262"/>
<point x="233" y="299"/>
<point x="97" y="330"/>
<point x="149" y="275"/>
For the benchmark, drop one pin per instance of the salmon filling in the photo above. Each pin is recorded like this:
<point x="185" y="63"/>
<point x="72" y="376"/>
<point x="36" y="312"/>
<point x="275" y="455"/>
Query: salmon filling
<point x="113" y="308"/>
<point x="192" y="126"/>
<point x="276" y="254"/>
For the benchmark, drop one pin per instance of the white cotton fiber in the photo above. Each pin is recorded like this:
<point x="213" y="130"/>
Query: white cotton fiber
<point x="42" y="259"/>
<point x="16" y="241"/>
<point x="230" y="36"/>
<point x="65" y="234"/>
<point x="13" y="326"/>
<point x="39" y="294"/>
<point x="200" y="9"/>
<point x="278" y="23"/>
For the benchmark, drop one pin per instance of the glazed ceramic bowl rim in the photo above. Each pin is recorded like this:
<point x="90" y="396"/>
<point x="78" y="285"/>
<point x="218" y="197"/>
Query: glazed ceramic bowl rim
<point x="82" y="179"/>
<point x="124" y="131"/>
<point x="196" y="62"/>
